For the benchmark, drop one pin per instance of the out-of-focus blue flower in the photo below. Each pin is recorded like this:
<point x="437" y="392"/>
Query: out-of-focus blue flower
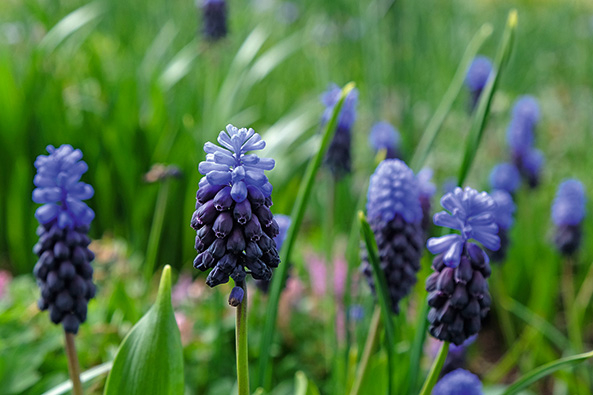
<point x="231" y="165"/>
<point x="426" y="187"/>
<point x="506" y="177"/>
<point x="60" y="190"/>
<point x="532" y="163"/>
<point x="393" y="189"/>
<point x="526" y="109"/>
<point x="505" y="208"/>
<point x="569" y="203"/>
<point x="520" y="136"/>
<point x="338" y="157"/>
<point x="458" y="382"/>
<point x="471" y="213"/>
<point x="449" y="184"/>
<point x="215" y="19"/>
<point x="384" y="136"/>
<point x="284" y="222"/>
<point x="478" y="73"/>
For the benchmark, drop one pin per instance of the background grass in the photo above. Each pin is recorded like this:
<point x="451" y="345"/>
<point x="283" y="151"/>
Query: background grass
<point x="132" y="83"/>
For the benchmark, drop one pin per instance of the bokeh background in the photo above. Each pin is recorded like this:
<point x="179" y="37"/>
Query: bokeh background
<point x="133" y="83"/>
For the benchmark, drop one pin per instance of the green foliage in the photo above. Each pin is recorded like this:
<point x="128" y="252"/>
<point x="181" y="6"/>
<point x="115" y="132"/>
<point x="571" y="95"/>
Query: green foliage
<point x="150" y="358"/>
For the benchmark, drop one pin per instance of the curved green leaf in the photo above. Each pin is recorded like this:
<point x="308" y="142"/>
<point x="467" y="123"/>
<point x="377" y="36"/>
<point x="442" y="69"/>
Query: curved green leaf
<point x="150" y="358"/>
<point x="304" y="386"/>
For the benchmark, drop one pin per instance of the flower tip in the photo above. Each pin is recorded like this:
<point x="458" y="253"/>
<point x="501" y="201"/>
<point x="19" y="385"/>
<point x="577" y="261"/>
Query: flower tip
<point x="236" y="296"/>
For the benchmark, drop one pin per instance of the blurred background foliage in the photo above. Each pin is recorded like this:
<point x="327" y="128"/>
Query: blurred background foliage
<point x="132" y="83"/>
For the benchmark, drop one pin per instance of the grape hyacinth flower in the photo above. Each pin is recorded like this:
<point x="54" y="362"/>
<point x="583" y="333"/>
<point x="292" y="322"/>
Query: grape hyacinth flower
<point x="531" y="166"/>
<point x="234" y="224"/>
<point x="214" y="19"/>
<point x="503" y="217"/>
<point x="568" y="212"/>
<point x="384" y="136"/>
<point x="395" y="214"/>
<point x="283" y="222"/>
<point x="505" y="177"/>
<point x="458" y="290"/>
<point x="458" y="382"/>
<point x="477" y="77"/>
<point x="426" y="189"/>
<point x="63" y="271"/>
<point x="338" y="153"/>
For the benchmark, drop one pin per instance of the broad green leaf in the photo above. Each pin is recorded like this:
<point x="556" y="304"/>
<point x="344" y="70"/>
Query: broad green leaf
<point x="376" y="380"/>
<point x="304" y="386"/>
<point x="150" y="358"/>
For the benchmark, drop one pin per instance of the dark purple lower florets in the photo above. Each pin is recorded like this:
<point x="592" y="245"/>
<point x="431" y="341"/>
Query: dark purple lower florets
<point x="568" y="238"/>
<point x="458" y="297"/>
<point x="338" y="154"/>
<point x="64" y="274"/>
<point x="426" y="214"/>
<point x="400" y="248"/>
<point x="232" y="237"/>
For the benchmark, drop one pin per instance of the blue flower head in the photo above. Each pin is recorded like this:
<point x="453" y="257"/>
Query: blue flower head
<point x="471" y="213"/>
<point x="348" y="113"/>
<point x="426" y="187"/>
<point x="506" y="177"/>
<point x="215" y="19"/>
<point x="384" y="136"/>
<point x="520" y="136"/>
<point x="458" y="382"/>
<point x="526" y="109"/>
<point x="231" y="165"/>
<point x="569" y="203"/>
<point x="60" y="190"/>
<point x="478" y="73"/>
<point x="533" y="161"/>
<point x="284" y="222"/>
<point x="505" y="208"/>
<point x="393" y="189"/>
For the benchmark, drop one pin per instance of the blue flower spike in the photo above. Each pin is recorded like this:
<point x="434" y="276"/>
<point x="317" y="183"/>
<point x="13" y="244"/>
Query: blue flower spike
<point x="503" y="216"/>
<point x="214" y="19"/>
<point x="458" y="289"/>
<point x="458" y="382"/>
<point x="63" y="271"/>
<point x="384" y="136"/>
<point x="506" y="177"/>
<point x="395" y="214"/>
<point x="477" y="76"/>
<point x="568" y="212"/>
<point x="234" y="224"/>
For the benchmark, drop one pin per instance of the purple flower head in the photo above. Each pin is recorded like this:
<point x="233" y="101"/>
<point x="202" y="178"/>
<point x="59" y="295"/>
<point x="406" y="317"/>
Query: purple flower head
<point x="478" y="73"/>
<point x="506" y="177"/>
<point x="520" y="136"/>
<point x="505" y="208"/>
<point x="569" y="203"/>
<point x="215" y="19"/>
<point x="458" y="382"/>
<point x="231" y="165"/>
<point x="385" y="136"/>
<point x="393" y="189"/>
<point x="531" y="165"/>
<point x="60" y="190"/>
<point x="471" y="213"/>
<point x="348" y="113"/>
<point x="284" y="222"/>
<point x="526" y="109"/>
<point x="426" y="187"/>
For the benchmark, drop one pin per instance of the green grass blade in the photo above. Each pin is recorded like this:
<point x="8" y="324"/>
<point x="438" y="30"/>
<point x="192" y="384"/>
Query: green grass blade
<point x="381" y="291"/>
<point x="436" y="122"/>
<point x="297" y="218"/>
<point x="546" y="370"/>
<point x="483" y="110"/>
<point x="85" y="377"/>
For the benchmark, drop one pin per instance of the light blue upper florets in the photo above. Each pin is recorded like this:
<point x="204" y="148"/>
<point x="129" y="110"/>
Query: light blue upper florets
<point x="393" y="189"/>
<point x="471" y="213"/>
<point x="505" y="176"/>
<point x="384" y="136"/>
<point x="569" y="203"/>
<point x="478" y="73"/>
<point x="526" y="109"/>
<point x="520" y="133"/>
<point x="348" y="112"/>
<point x="505" y="208"/>
<point x="458" y="382"/>
<point x="231" y="165"/>
<point x="60" y="190"/>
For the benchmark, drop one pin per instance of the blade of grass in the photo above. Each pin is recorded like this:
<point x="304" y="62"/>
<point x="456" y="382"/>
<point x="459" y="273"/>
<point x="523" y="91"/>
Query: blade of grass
<point x="297" y="215"/>
<point x="436" y="122"/>
<point x="546" y="370"/>
<point x="85" y="377"/>
<point x="481" y="115"/>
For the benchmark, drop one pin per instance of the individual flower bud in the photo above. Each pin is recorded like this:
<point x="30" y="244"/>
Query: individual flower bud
<point x="63" y="271"/>
<point x="236" y="296"/>
<point x="568" y="212"/>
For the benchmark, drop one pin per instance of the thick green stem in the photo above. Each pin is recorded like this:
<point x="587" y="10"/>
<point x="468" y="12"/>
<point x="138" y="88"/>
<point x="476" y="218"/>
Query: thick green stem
<point x="435" y="371"/>
<point x="73" y="366"/>
<point x="241" y="344"/>
<point x="369" y="347"/>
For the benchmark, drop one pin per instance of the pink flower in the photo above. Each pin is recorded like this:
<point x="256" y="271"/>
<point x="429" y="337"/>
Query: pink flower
<point x="5" y="279"/>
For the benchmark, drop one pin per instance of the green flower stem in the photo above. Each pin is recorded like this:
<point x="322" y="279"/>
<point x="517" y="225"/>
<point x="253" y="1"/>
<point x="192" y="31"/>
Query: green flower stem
<point x="369" y="347"/>
<point x="572" y="321"/>
<point x="156" y="228"/>
<point x="435" y="371"/>
<point x="241" y="344"/>
<point x="297" y="215"/>
<point x="418" y="346"/>
<point x="73" y="366"/>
